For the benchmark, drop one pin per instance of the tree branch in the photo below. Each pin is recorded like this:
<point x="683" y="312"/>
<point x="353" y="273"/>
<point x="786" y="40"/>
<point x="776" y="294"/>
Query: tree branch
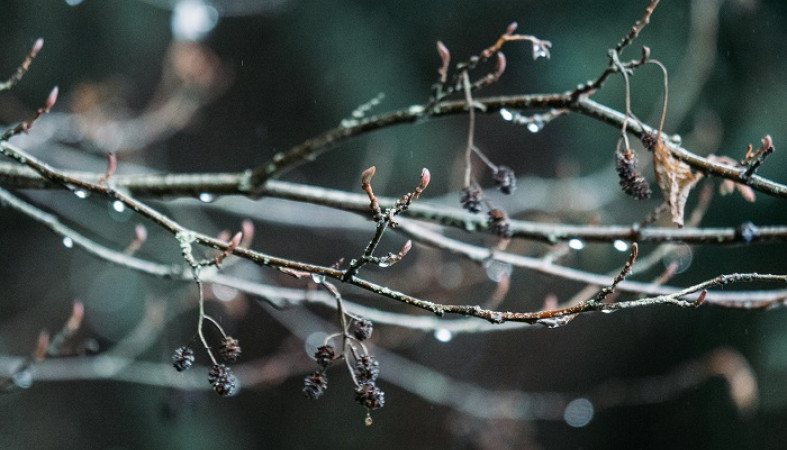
<point x="191" y="185"/>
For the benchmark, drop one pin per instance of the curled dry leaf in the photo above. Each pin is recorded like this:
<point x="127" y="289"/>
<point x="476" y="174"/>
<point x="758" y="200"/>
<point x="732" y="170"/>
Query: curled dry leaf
<point x="674" y="177"/>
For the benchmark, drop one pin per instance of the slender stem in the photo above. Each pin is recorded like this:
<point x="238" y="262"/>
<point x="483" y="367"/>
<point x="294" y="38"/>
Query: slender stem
<point x="202" y="317"/>
<point x="470" y="127"/>
<point x="369" y="250"/>
<point x="216" y="324"/>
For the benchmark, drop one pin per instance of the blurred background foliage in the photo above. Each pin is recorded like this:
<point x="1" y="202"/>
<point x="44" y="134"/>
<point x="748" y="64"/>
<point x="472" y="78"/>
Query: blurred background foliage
<point x="291" y="69"/>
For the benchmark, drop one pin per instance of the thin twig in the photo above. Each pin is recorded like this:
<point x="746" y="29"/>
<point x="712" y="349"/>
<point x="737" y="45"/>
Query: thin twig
<point x="22" y="69"/>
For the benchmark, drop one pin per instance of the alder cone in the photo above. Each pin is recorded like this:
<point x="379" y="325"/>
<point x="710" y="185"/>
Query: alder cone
<point x="630" y="180"/>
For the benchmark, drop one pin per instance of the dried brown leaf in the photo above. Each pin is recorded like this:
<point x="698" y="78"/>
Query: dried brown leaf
<point x="675" y="179"/>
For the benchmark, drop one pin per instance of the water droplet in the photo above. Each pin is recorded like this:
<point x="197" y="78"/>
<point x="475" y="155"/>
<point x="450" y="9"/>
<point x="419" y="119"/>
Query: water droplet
<point x="578" y="413"/>
<point x="554" y="322"/>
<point x="620" y="245"/>
<point x="23" y="379"/>
<point x="317" y="278"/>
<point x="68" y="242"/>
<point x="118" y="206"/>
<point x="348" y="123"/>
<point x="747" y="231"/>
<point x="385" y="262"/>
<point x="81" y="193"/>
<point x="415" y="110"/>
<point x="535" y="126"/>
<point x="576" y="244"/>
<point x="496" y="317"/>
<point x="207" y="197"/>
<point x="506" y="114"/>
<point x="679" y="255"/>
<point x="497" y="270"/>
<point x="443" y="335"/>
<point x="540" y="50"/>
<point x="118" y="211"/>
<point x="608" y="311"/>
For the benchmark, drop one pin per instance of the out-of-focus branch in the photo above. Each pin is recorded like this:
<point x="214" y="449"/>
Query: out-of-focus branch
<point x="191" y="185"/>
<point x="420" y="380"/>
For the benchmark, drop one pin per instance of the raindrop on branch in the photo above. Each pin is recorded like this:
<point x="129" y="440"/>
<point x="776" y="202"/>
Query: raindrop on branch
<point x="23" y="379"/>
<point x="540" y="49"/>
<point x="555" y="322"/>
<point x="535" y="126"/>
<point x="118" y="206"/>
<point x="118" y="211"/>
<point x="506" y="114"/>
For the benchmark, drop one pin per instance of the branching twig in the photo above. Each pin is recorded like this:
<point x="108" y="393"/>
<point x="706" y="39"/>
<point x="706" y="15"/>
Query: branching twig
<point x="25" y="126"/>
<point x="604" y="293"/>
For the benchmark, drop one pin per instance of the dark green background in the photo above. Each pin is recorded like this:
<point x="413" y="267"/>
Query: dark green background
<point x="298" y="72"/>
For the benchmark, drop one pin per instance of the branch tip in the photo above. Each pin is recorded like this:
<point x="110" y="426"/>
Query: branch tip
<point x="426" y="177"/>
<point x="51" y="99"/>
<point x="366" y="175"/>
<point x="39" y="43"/>
<point x="501" y="65"/>
<point x="701" y="299"/>
<point x="111" y="168"/>
<point x="140" y="232"/>
<point x="406" y="247"/>
<point x="42" y="344"/>
<point x="445" y="59"/>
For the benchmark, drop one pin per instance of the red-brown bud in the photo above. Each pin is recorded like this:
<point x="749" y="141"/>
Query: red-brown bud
<point x="406" y="247"/>
<point x="141" y="232"/>
<point x="366" y="176"/>
<point x="445" y="59"/>
<point x="501" y="65"/>
<point x="426" y="177"/>
<point x="36" y="47"/>
<point x="247" y="228"/>
<point x="51" y="99"/>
